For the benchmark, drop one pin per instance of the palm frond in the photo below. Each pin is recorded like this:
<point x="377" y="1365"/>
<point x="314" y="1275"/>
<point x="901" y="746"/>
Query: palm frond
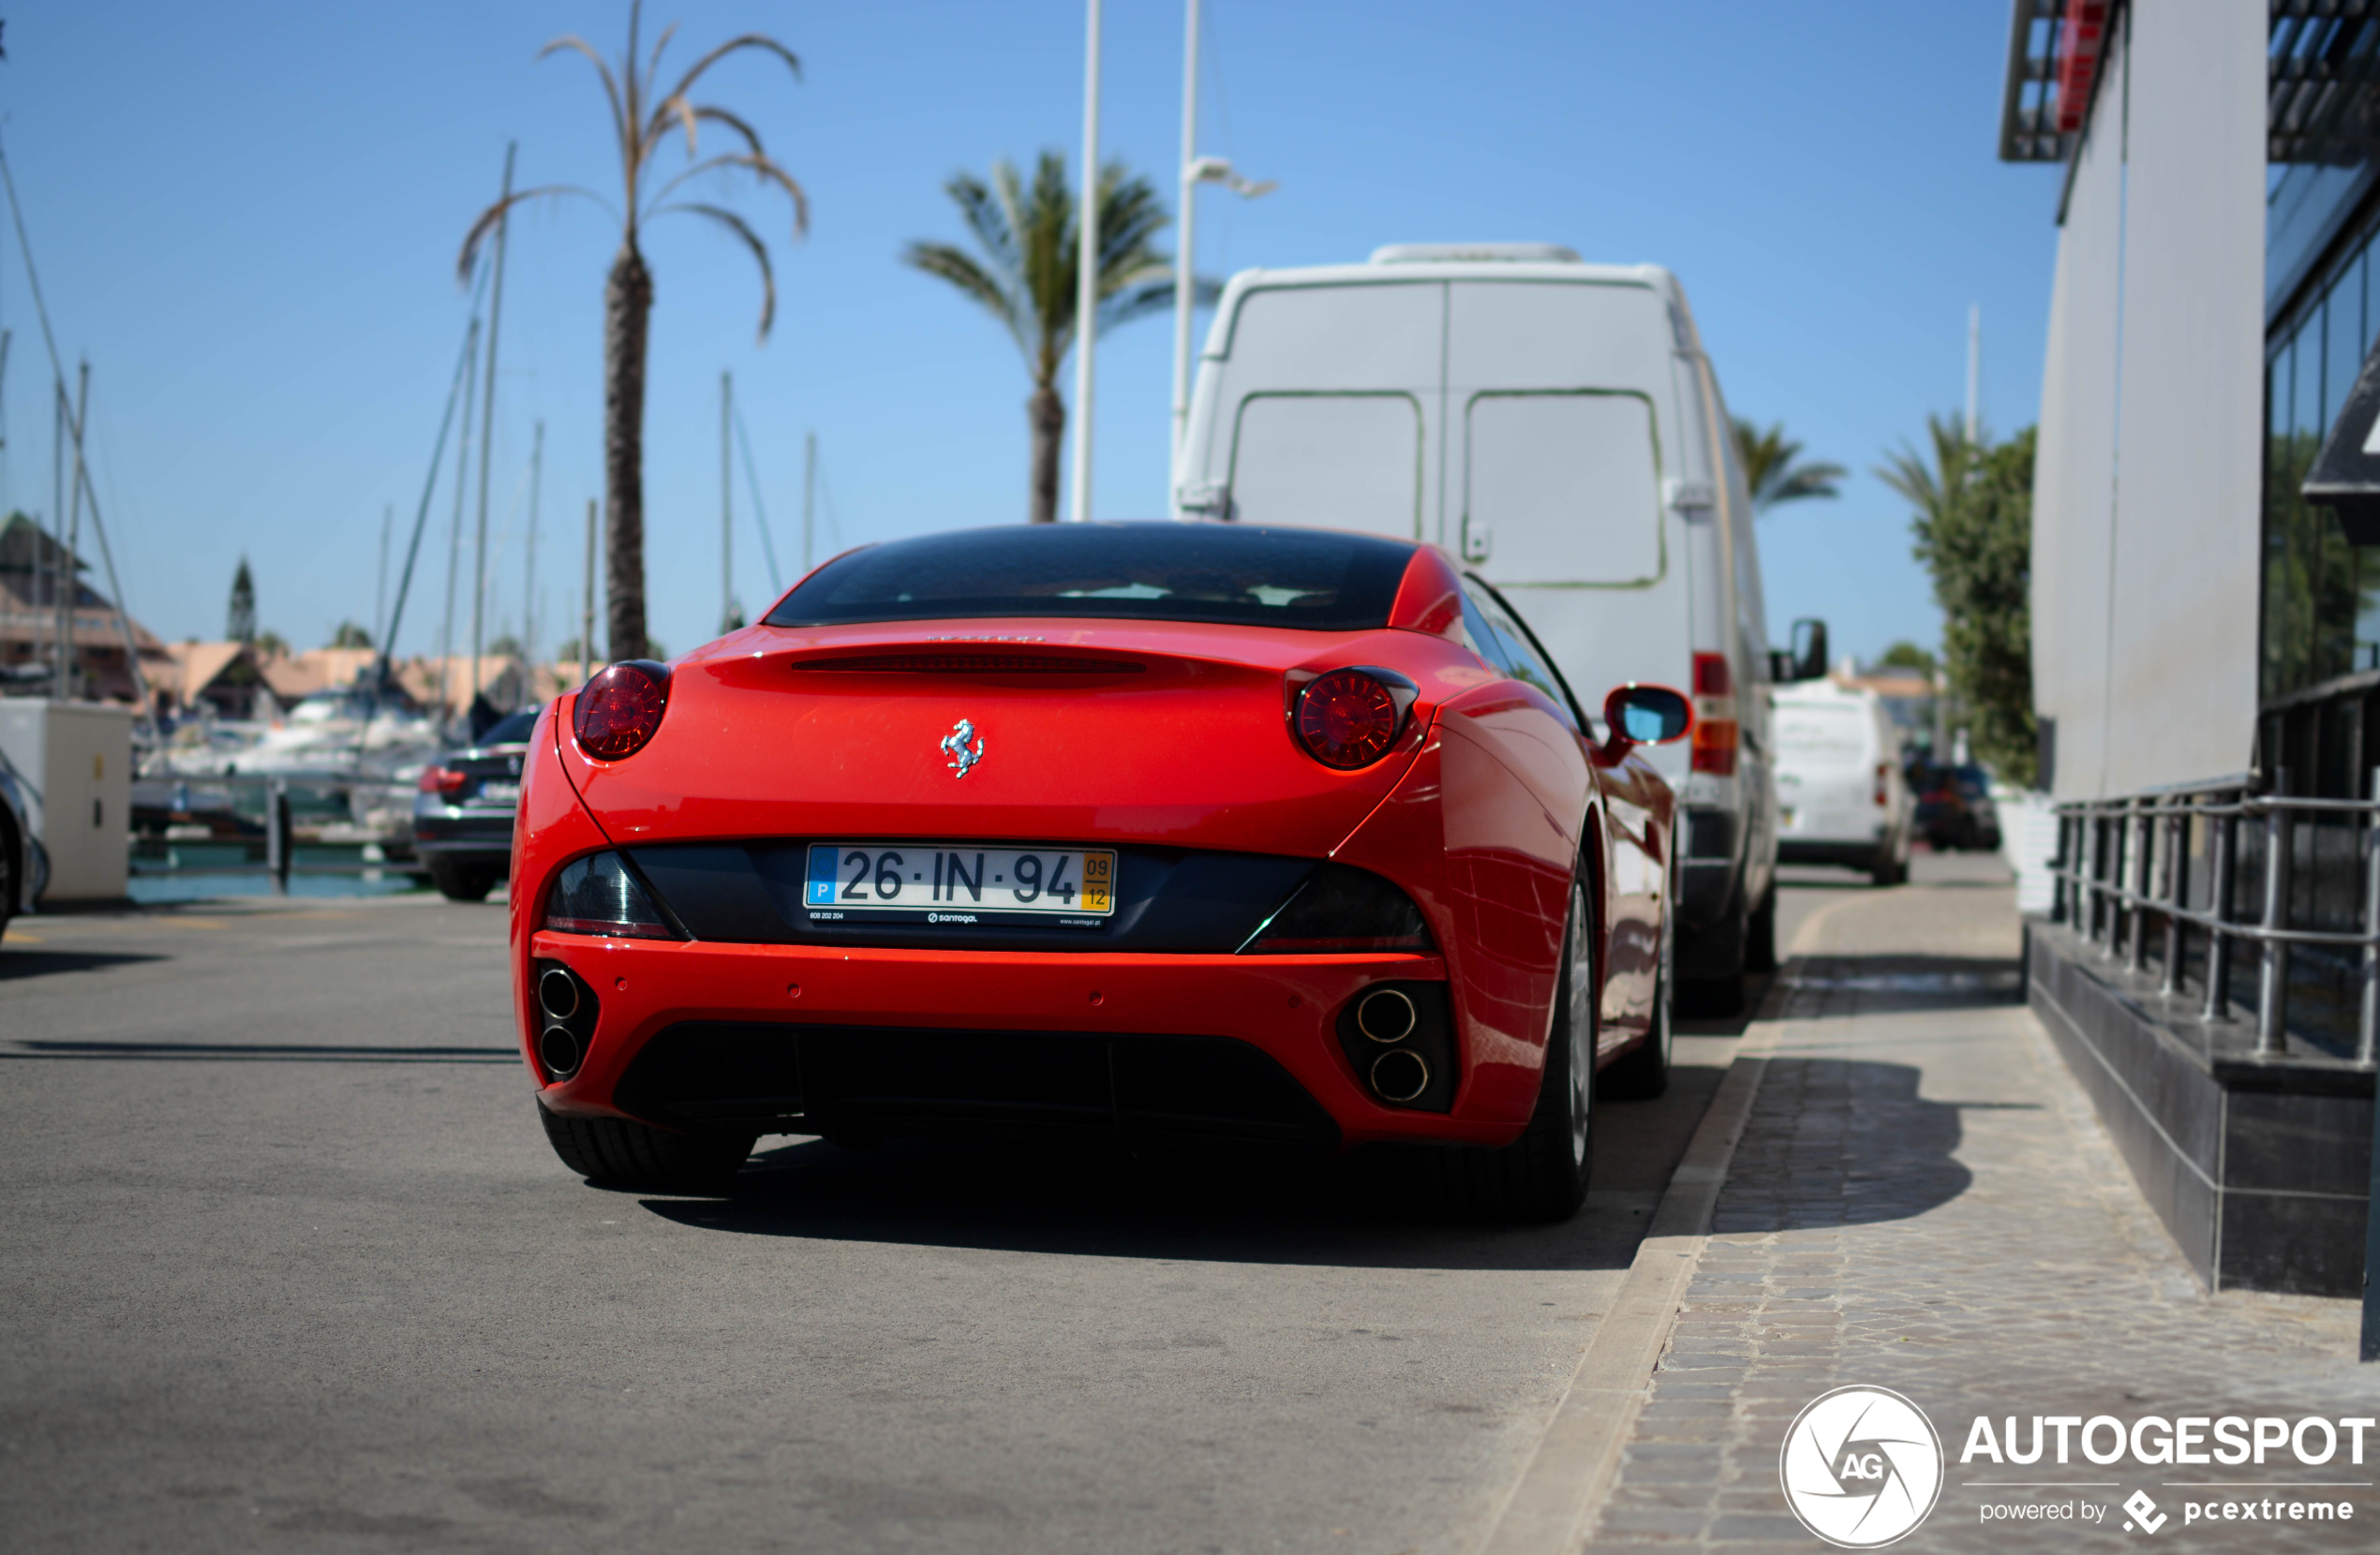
<point x="959" y="267"/>
<point x="748" y="40"/>
<point x="1773" y="470"/>
<point x="653" y="65"/>
<point x="672" y="109"/>
<point x="1123" y="306"/>
<point x="762" y="168"/>
<point x="710" y="113"/>
<point x="494" y="214"/>
<point x="734" y="224"/>
<point x="611" y="86"/>
<point x="990" y="219"/>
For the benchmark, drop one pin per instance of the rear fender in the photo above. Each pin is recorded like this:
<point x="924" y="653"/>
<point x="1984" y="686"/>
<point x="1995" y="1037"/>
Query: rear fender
<point x="1491" y="874"/>
<point x="552" y="828"/>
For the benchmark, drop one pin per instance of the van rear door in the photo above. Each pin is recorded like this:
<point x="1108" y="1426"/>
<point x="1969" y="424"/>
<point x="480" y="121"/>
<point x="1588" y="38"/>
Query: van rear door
<point x="1559" y="399"/>
<point x="1329" y="402"/>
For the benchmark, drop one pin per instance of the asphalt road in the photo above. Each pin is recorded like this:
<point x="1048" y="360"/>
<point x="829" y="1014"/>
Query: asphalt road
<point x="287" y="1264"/>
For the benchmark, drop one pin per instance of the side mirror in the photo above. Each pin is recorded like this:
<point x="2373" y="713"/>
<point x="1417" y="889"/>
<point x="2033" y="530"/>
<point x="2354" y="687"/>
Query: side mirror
<point x="1646" y="714"/>
<point x="1809" y="649"/>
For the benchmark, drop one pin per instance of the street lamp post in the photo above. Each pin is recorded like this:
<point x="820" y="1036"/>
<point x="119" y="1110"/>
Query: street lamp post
<point x="1087" y="270"/>
<point x="1184" y="259"/>
<point x="1196" y="169"/>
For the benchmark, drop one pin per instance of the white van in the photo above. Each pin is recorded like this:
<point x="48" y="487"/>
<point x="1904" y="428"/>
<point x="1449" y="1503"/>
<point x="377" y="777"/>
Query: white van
<point x="1842" y="795"/>
<point x="1556" y="425"/>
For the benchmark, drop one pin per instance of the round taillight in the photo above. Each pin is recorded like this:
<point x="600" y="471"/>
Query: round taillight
<point x="620" y="707"/>
<point x="1348" y="719"/>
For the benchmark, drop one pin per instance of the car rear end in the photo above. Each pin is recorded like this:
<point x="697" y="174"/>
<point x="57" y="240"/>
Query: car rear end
<point x="463" y="806"/>
<point x="1068" y="874"/>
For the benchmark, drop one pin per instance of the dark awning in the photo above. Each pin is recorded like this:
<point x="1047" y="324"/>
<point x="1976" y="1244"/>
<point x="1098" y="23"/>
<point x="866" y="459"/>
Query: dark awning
<point x="2345" y="476"/>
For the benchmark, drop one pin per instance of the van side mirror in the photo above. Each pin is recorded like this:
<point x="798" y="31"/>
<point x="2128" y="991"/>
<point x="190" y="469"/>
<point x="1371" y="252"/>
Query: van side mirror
<point x="1810" y="650"/>
<point x="1646" y="714"/>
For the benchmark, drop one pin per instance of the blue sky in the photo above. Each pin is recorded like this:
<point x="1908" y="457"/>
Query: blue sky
<point x="247" y="217"/>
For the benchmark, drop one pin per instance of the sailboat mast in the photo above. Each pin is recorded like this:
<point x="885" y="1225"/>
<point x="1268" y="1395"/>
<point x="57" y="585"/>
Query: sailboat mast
<point x="809" y="493"/>
<point x="455" y="531"/>
<point x="727" y="621"/>
<point x="587" y="608"/>
<point x="487" y="421"/>
<point x="380" y="584"/>
<point x="529" y="570"/>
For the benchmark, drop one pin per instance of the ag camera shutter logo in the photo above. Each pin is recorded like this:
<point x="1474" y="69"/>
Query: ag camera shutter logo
<point x="1861" y="1467"/>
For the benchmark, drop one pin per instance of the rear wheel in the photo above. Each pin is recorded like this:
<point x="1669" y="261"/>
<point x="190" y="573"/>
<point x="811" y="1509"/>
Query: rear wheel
<point x="618" y="1153"/>
<point x="10" y="870"/>
<point x="1760" y="933"/>
<point x="461" y="882"/>
<point x="1541" y="1176"/>
<point x="1644" y="1072"/>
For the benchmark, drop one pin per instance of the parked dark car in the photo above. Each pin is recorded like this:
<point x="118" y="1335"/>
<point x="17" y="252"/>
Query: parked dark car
<point x="463" y="813"/>
<point x="24" y="871"/>
<point x="1955" y="811"/>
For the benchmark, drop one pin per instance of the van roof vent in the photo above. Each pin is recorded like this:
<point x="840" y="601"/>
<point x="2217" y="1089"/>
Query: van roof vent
<point x="1474" y="252"/>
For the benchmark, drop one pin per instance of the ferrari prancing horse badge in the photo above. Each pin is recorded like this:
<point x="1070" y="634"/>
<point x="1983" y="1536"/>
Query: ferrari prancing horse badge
<point x="963" y="746"/>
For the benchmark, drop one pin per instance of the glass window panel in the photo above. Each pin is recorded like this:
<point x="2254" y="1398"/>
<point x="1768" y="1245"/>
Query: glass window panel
<point x="2343" y="356"/>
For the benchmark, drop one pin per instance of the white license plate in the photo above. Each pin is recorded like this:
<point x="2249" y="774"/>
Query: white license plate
<point x="500" y="794"/>
<point x="957" y="883"/>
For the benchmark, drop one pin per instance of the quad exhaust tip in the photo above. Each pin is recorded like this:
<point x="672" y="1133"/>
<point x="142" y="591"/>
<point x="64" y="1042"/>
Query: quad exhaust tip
<point x="557" y="994"/>
<point x="1386" y="1015"/>
<point x="558" y="1050"/>
<point x="1400" y="1075"/>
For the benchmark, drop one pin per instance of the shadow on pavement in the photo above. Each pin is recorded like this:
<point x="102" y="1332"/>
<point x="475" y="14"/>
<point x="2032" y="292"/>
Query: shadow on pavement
<point x="256" y="1052"/>
<point x="1376" y="1208"/>
<point x="1840" y="1142"/>
<point x="19" y="962"/>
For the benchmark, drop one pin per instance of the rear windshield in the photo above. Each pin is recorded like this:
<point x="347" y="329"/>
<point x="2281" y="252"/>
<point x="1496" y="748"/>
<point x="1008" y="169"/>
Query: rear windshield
<point x="1227" y="574"/>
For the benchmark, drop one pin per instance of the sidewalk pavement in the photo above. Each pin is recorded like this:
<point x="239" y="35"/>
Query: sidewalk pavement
<point x="1923" y="1200"/>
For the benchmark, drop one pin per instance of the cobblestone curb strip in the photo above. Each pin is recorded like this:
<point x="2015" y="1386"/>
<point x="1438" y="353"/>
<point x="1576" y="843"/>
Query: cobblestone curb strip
<point x="1559" y="1492"/>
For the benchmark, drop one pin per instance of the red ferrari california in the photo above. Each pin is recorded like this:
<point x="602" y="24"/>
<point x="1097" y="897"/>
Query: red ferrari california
<point x="1157" y="832"/>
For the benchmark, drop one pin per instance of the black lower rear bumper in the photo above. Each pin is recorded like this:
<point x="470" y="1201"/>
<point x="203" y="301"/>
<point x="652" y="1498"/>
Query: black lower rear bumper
<point x="773" y="1078"/>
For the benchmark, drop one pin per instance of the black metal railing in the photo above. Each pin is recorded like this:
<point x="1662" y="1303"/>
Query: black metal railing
<point x="2207" y="871"/>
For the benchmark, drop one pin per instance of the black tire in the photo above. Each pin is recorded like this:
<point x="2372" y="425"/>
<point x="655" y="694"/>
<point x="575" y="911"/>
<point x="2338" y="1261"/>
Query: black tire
<point x="1724" y="946"/>
<point x="617" y="1153"/>
<point x="1541" y="1178"/>
<point x="11" y="870"/>
<point x="1643" y="1071"/>
<point x="1889" y="869"/>
<point x="461" y="882"/>
<point x="1760" y="933"/>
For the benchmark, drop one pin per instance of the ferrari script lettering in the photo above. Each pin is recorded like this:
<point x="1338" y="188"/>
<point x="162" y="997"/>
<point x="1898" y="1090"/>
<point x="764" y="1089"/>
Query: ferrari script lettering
<point x="964" y="748"/>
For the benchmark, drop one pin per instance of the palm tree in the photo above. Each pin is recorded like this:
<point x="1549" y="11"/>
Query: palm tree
<point x="1930" y="489"/>
<point x="1770" y="470"/>
<point x="643" y="118"/>
<point x="1025" y="277"/>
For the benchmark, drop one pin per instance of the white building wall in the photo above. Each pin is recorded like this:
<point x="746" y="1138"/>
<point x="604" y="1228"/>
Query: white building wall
<point x="2145" y="494"/>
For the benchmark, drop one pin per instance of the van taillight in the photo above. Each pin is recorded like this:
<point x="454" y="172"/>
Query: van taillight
<point x="1883" y="783"/>
<point x="1715" y="747"/>
<point x="1715" y="725"/>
